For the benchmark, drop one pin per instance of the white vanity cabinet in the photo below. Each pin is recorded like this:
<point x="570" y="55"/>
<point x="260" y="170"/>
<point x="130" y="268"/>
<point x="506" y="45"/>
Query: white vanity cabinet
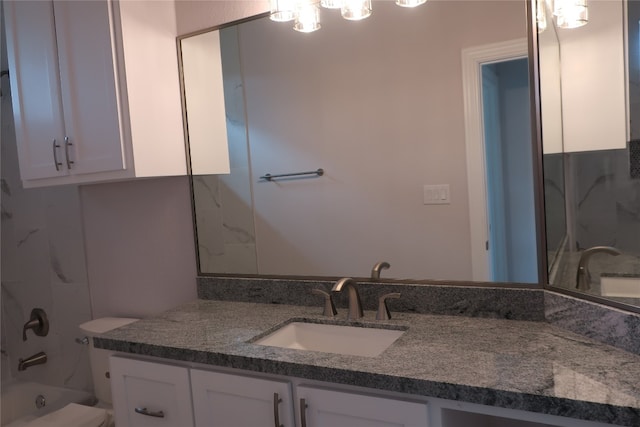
<point x="95" y="90"/>
<point x="157" y="394"/>
<point x="148" y="394"/>
<point x="330" y="408"/>
<point x="225" y="400"/>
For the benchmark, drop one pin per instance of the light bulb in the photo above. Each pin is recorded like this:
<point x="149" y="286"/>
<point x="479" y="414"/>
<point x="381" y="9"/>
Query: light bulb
<point x="410" y="3"/>
<point x="283" y="10"/>
<point x="541" y="15"/>
<point x="355" y="10"/>
<point x="571" y="13"/>
<point x="307" y="18"/>
<point x="331" y="4"/>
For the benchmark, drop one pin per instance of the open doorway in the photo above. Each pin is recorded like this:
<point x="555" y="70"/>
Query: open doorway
<point x="499" y="162"/>
<point x="511" y="242"/>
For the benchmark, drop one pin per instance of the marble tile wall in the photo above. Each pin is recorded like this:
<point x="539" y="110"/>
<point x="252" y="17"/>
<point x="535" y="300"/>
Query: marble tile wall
<point x="43" y="265"/>
<point x="224" y="205"/>
<point x="606" y="212"/>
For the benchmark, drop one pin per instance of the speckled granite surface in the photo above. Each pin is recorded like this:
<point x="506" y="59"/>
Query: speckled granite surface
<point x="532" y="366"/>
<point x="518" y="303"/>
<point x="609" y="325"/>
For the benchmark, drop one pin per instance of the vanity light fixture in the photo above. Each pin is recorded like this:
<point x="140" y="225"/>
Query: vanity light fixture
<point x="410" y="3"/>
<point x="283" y="10"/>
<point x="541" y="15"/>
<point x="307" y="18"/>
<point x="306" y="13"/>
<point x="571" y="13"/>
<point x="356" y="10"/>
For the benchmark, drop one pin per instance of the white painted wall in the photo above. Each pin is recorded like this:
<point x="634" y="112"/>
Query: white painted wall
<point x="139" y="245"/>
<point x="196" y="15"/>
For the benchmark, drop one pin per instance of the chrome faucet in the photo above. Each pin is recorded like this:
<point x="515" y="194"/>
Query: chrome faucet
<point x="381" y="265"/>
<point x="355" y="305"/>
<point x="36" y="359"/>
<point x="583" y="276"/>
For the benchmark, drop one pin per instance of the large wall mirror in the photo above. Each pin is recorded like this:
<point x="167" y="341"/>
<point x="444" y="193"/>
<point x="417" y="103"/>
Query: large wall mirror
<point x="590" y="112"/>
<point x="382" y="106"/>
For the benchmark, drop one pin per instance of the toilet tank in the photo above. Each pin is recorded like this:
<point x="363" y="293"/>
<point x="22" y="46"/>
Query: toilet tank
<point x="99" y="358"/>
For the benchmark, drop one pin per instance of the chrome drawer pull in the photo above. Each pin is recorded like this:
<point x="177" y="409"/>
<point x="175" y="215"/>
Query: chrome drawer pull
<point x="55" y="155"/>
<point x="144" y="411"/>
<point x="276" y="412"/>
<point x="66" y="151"/>
<point x="303" y="412"/>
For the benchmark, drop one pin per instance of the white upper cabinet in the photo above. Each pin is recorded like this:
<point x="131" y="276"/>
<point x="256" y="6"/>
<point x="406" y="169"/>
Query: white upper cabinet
<point x="95" y="90"/>
<point x="594" y="114"/>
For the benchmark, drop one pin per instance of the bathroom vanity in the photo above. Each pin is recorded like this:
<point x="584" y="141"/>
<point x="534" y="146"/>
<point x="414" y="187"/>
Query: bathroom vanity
<point x="444" y="371"/>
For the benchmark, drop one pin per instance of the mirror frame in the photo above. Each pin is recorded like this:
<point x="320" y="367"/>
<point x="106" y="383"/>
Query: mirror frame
<point x="536" y="146"/>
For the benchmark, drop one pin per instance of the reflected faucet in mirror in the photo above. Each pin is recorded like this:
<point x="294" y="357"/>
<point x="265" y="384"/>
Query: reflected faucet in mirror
<point x="380" y="265"/>
<point x="583" y="276"/>
<point x="37" y="359"/>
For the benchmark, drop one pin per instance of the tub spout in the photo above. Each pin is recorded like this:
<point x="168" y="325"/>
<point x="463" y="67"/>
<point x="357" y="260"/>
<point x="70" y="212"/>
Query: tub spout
<point x="36" y="359"/>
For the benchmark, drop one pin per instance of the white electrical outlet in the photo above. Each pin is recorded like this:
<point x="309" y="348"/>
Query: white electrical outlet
<point x="437" y="194"/>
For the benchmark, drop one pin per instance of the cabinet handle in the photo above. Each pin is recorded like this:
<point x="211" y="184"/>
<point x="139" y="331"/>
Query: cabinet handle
<point x="55" y="155"/>
<point x="67" y="144"/>
<point x="145" y="411"/>
<point x="276" y="412"/>
<point x="303" y="412"/>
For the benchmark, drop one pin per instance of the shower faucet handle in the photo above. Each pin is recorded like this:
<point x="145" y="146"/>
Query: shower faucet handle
<point x="38" y="322"/>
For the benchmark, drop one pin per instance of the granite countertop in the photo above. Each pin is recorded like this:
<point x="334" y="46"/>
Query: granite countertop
<point x="527" y="365"/>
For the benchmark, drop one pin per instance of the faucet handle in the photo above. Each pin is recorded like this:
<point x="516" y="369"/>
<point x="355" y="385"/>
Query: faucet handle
<point x="329" y="307"/>
<point x="38" y="321"/>
<point x="383" y="310"/>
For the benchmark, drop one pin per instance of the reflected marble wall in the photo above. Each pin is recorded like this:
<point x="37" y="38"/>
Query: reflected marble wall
<point x="224" y="206"/>
<point x="604" y="211"/>
<point x="43" y="265"/>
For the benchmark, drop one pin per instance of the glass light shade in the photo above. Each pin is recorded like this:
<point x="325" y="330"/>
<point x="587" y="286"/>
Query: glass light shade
<point x="541" y="15"/>
<point x="331" y="4"/>
<point x="283" y="10"/>
<point x="571" y="13"/>
<point x="410" y="3"/>
<point x="307" y="18"/>
<point x="355" y="10"/>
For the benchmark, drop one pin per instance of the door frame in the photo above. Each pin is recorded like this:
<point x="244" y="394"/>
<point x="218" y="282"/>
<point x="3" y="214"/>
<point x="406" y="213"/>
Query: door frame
<point x="472" y="60"/>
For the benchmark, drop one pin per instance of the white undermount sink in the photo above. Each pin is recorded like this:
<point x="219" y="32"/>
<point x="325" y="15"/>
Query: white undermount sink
<point x="341" y="339"/>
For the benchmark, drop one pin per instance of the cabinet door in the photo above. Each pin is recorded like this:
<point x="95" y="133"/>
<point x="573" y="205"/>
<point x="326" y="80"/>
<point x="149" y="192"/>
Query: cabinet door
<point x="224" y="400"/>
<point x="89" y="88"/>
<point x="328" y="408"/>
<point x="147" y="394"/>
<point x="35" y="90"/>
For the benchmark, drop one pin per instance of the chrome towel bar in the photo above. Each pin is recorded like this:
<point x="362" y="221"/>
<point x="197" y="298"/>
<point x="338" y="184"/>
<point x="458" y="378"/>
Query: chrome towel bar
<point x="269" y="177"/>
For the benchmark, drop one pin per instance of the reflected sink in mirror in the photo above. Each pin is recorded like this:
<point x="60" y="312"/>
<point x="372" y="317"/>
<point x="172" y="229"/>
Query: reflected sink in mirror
<point x="621" y="287"/>
<point x="331" y="338"/>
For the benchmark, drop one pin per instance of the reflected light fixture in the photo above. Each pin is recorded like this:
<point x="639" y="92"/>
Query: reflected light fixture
<point x="571" y="13"/>
<point x="307" y="18"/>
<point x="355" y="10"/>
<point x="283" y="10"/>
<point x="541" y="15"/>
<point x="410" y="3"/>
<point x="306" y="13"/>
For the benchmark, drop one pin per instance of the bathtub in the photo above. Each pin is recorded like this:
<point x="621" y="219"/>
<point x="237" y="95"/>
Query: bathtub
<point x="21" y="400"/>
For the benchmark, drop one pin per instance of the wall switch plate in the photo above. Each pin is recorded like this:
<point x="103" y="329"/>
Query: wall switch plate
<point x="437" y="194"/>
